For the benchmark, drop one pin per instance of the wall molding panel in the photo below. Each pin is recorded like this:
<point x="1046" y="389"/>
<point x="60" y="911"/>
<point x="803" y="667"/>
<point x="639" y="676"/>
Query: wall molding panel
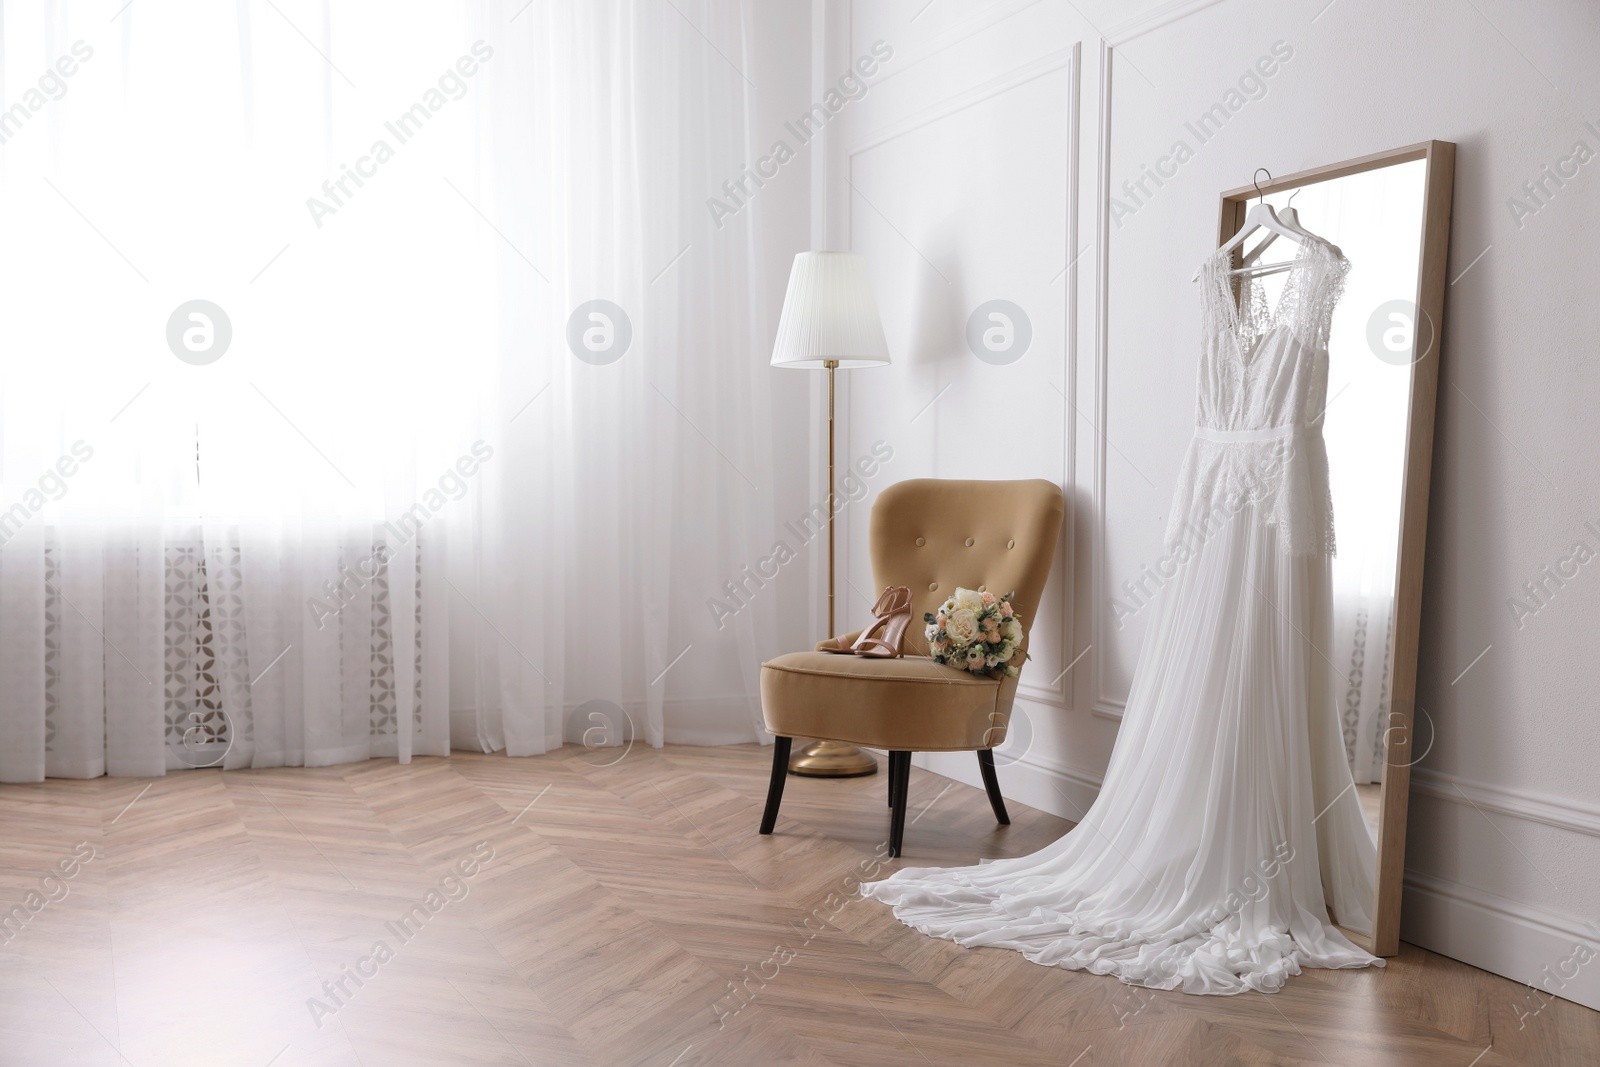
<point x="1527" y="805"/>
<point x="1058" y="692"/>
<point x="951" y="105"/>
<point x="1161" y="15"/>
<point x="960" y="33"/>
<point x="1101" y="704"/>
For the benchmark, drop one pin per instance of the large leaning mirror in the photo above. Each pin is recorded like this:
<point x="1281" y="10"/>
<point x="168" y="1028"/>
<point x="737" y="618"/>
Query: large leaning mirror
<point x="1389" y="213"/>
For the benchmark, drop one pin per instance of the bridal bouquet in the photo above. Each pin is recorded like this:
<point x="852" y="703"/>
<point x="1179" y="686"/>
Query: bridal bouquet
<point x="978" y="632"/>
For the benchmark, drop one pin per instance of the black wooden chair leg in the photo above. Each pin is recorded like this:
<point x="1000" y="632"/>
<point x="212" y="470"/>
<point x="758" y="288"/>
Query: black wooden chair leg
<point x="902" y="782"/>
<point x="893" y="766"/>
<point x="992" y="785"/>
<point x="780" y="773"/>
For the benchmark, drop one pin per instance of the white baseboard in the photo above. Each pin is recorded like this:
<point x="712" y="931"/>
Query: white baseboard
<point x="1035" y="780"/>
<point x="1525" y="943"/>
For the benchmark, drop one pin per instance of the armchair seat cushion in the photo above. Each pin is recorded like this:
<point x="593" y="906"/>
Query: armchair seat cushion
<point x="909" y="703"/>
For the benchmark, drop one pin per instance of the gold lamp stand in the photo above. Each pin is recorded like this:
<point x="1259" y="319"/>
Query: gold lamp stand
<point x="831" y="759"/>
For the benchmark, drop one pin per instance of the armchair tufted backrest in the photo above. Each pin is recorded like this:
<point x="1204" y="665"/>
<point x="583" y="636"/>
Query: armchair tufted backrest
<point x="933" y="535"/>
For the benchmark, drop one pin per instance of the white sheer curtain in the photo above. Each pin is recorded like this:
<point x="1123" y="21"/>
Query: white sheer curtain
<point x="397" y="490"/>
<point x="630" y="487"/>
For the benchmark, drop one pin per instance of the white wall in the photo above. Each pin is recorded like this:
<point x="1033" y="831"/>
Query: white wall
<point x="957" y="177"/>
<point x="991" y="152"/>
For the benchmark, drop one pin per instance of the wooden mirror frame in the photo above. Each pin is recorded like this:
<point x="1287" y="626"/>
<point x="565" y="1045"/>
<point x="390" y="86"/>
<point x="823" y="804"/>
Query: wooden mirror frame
<point x="1433" y="256"/>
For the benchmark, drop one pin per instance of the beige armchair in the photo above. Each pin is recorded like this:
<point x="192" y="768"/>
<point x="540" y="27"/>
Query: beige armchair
<point x="931" y="535"/>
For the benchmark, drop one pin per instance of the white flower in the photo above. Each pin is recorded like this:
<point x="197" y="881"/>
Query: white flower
<point x="1011" y="630"/>
<point x="975" y="658"/>
<point x="961" y="626"/>
<point x="1007" y="650"/>
<point x="971" y="601"/>
<point x="949" y="606"/>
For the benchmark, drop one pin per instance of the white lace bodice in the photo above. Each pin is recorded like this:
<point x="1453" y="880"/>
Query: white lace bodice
<point x="1258" y="414"/>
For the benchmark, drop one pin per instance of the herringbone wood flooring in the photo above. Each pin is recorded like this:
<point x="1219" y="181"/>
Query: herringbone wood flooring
<point x="620" y="908"/>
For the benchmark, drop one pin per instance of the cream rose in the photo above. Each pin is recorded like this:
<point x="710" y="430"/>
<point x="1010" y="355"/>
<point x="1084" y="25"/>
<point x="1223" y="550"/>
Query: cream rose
<point x="961" y="626"/>
<point x="969" y="600"/>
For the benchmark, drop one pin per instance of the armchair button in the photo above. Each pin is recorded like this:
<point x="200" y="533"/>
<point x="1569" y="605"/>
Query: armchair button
<point x="932" y="586"/>
<point x="921" y="541"/>
<point x="1011" y="544"/>
<point x="969" y="542"/>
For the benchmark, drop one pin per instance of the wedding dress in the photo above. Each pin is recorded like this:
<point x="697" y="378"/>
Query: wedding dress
<point x="1227" y="820"/>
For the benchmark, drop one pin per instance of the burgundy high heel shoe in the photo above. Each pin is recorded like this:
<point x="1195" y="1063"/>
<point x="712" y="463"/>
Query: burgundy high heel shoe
<point x="892" y="615"/>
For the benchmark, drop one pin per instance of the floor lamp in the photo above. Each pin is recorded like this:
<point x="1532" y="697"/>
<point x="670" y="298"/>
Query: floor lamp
<point x="830" y="321"/>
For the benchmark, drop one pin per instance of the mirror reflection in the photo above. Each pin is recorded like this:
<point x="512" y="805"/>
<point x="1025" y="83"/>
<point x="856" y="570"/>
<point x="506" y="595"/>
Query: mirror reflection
<point x="1376" y="219"/>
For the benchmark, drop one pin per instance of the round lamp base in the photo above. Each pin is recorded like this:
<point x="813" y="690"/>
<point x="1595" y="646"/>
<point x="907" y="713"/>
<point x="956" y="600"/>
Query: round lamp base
<point x="832" y="759"/>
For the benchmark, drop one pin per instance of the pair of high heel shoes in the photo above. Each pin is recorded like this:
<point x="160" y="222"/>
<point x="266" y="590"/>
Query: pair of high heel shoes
<point x="886" y="637"/>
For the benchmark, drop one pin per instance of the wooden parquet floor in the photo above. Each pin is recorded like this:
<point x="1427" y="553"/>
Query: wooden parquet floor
<point x="483" y="910"/>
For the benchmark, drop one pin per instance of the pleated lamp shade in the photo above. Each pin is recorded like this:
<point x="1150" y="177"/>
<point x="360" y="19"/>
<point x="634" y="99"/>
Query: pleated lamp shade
<point x="829" y="313"/>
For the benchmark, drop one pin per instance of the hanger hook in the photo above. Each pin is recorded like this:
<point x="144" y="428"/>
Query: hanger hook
<point x="1256" y="182"/>
<point x="1290" y="202"/>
